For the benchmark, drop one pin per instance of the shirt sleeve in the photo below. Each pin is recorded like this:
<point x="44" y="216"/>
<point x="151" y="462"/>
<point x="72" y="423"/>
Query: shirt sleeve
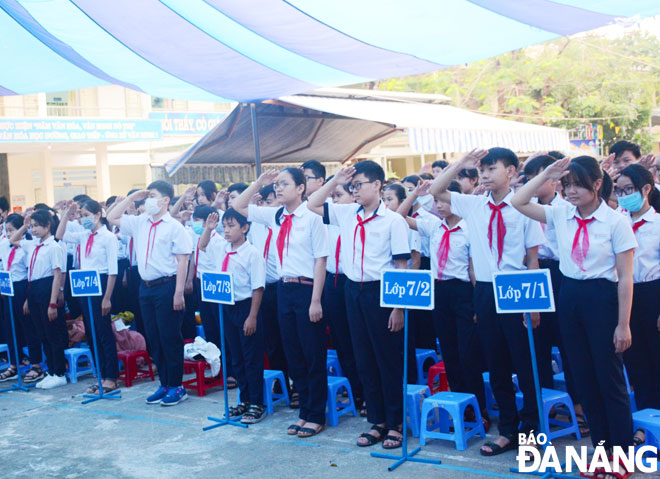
<point x="415" y="240"/>
<point x="128" y="224"/>
<point x="425" y="226"/>
<point x="58" y="258"/>
<point x="181" y="241"/>
<point x="257" y="270"/>
<point x="319" y="232"/>
<point x="262" y="214"/>
<point x="111" y="248"/>
<point x="533" y="234"/>
<point x="462" y="205"/>
<point x="74" y="237"/>
<point x="550" y="214"/>
<point x="623" y="238"/>
<point x="399" y="238"/>
<point x="336" y="214"/>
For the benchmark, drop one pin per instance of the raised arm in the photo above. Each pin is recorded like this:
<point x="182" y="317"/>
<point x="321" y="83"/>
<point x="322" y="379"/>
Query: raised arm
<point x="211" y="225"/>
<point x="420" y="190"/>
<point x="114" y="215"/>
<point x="317" y="200"/>
<point x="188" y="194"/>
<point x="242" y="202"/>
<point x="522" y="200"/>
<point x="441" y="183"/>
<point x="66" y="217"/>
<point x="17" y="236"/>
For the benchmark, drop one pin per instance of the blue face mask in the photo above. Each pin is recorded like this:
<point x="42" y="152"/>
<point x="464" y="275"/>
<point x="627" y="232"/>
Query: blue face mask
<point x="632" y="202"/>
<point x="198" y="227"/>
<point x="88" y="222"/>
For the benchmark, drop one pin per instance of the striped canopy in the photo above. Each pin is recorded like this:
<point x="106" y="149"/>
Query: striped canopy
<point x="250" y="50"/>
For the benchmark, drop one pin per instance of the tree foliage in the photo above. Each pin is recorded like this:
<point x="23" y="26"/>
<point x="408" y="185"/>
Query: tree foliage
<point x="613" y="82"/>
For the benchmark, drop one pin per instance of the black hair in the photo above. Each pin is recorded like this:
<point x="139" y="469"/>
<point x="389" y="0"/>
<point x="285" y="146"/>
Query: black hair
<point x="202" y="212"/>
<point x="557" y="155"/>
<point x="455" y="186"/>
<point x="440" y="164"/>
<point x="426" y="176"/>
<point x="372" y="170"/>
<point x="41" y="206"/>
<point x="607" y="188"/>
<point x="414" y="179"/>
<point x="132" y="191"/>
<point x="298" y="177"/>
<point x="622" y="146"/>
<point x="239" y="187"/>
<point x="209" y="188"/>
<point x="506" y="156"/>
<point x="232" y="214"/>
<point x="399" y="191"/>
<point x="164" y="188"/>
<point x="534" y="166"/>
<point x="584" y="171"/>
<point x="81" y="199"/>
<point x="43" y="217"/>
<point x="469" y="173"/>
<point x="641" y="177"/>
<point x="94" y="207"/>
<point x="317" y="168"/>
<point x="54" y="221"/>
<point x="4" y="204"/>
<point x="110" y="201"/>
<point x="15" y="220"/>
<point x="266" y="191"/>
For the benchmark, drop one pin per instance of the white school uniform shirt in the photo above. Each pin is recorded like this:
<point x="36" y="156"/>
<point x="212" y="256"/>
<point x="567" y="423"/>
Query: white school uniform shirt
<point x="247" y="267"/>
<point x="51" y="255"/>
<point x="422" y="213"/>
<point x="168" y="239"/>
<point x="521" y="233"/>
<point x="386" y="238"/>
<point x="19" y="265"/>
<point x="458" y="259"/>
<point x="103" y="254"/>
<point x="646" y="266"/>
<point x="206" y="261"/>
<point x="71" y="248"/>
<point x="122" y="246"/>
<point x="550" y="249"/>
<point x="308" y="238"/>
<point x="334" y="234"/>
<point x="258" y="235"/>
<point x="609" y="235"/>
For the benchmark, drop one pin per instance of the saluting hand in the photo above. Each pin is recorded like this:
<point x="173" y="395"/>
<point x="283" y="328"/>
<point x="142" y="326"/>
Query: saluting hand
<point x="267" y="178"/>
<point x="473" y="158"/>
<point x="344" y="176"/>
<point x="558" y="169"/>
<point x="212" y="221"/>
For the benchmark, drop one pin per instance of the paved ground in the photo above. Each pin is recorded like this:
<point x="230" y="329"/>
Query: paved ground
<point x="46" y="434"/>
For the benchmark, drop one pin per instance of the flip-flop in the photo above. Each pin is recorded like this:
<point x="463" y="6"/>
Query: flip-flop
<point x="93" y="389"/>
<point x="111" y="388"/>
<point x="496" y="449"/>
<point x="292" y="430"/>
<point x="371" y="439"/>
<point x="309" y="432"/>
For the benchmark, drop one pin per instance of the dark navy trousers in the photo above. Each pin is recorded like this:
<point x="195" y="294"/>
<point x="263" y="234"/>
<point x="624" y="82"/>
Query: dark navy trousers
<point x="52" y="335"/>
<point x="272" y="335"/>
<point x="25" y="333"/>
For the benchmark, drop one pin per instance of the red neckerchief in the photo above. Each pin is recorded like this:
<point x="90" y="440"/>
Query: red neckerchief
<point x="225" y="262"/>
<point x="337" y="250"/>
<point x="267" y="245"/>
<point x="150" y="240"/>
<point x="580" y="253"/>
<point x="33" y="260"/>
<point x="443" y="249"/>
<point x="283" y="236"/>
<point x="496" y="211"/>
<point x="360" y="225"/>
<point x="89" y="245"/>
<point x="638" y="225"/>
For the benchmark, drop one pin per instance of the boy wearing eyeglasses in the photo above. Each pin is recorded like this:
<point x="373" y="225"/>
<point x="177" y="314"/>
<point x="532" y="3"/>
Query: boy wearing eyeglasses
<point x="314" y="173"/>
<point x="375" y="237"/>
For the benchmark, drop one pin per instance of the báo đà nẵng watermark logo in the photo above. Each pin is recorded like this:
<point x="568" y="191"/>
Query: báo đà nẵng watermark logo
<point x="577" y="459"/>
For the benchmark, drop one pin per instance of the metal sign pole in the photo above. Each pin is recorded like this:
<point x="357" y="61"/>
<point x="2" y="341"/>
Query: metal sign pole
<point x="19" y="384"/>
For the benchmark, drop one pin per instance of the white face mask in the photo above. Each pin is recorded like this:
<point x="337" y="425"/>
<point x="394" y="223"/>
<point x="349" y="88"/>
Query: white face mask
<point x="151" y="206"/>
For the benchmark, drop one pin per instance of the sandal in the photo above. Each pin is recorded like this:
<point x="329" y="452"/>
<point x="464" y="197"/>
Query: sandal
<point x="583" y="426"/>
<point x="306" y="432"/>
<point x="397" y="440"/>
<point x="8" y="374"/>
<point x="294" y="403"/>
<point x="637" y="439"/>
<point x="292" y="430"/>
<point x="93" y="389"/>
<point x="109" y="389"/>
<point x="236" y="412"/>
<point x="231" y="383"/>
<point x="496" y="449"/>
<point x="371" y="439"/>
<point x="254" y="414"/>
<point x="33" y="375"/>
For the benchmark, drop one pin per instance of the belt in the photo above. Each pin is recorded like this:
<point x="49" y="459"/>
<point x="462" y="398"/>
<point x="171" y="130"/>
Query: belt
<point x="299" y="280"/>
<point x="156" y="282"/>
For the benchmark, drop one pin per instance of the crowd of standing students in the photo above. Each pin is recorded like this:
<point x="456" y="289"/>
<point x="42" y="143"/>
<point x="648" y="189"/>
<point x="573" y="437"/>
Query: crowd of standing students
<point x="306" y="253"/>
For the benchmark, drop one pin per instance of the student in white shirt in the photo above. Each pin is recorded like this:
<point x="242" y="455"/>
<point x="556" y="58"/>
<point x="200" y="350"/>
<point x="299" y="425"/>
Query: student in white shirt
<point x="314" y="172"/>
<point x="638" y="196"/>
<point x="46" y="261"/>
<point x="243" y="325"/>
<point x="302" y="247"/>
<point x="13" y="259"/>
<point x="596" y="248"/>
<point x="501" y="239"/>
<point x="468" y="179"/>
<point x="453" y="316"/>
<point x="334" y="303"/>
<point x="377" y="238"/>
<point x="162" y="247"/>
<point x="98" y="252"/>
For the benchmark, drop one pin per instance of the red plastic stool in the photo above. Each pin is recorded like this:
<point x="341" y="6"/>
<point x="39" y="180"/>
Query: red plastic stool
<point x="200" y="383"/>
<point x="437" y="371"/>
<point x="131" y="371"/>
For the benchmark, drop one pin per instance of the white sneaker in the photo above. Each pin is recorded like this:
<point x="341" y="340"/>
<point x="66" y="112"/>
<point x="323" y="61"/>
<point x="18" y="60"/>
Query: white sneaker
<point x="44" y="381"/>
<point x="57" y="381"/>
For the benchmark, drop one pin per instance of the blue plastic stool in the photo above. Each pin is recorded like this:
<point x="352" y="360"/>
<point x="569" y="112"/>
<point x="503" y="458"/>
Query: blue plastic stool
<point x="631" y="393"/>
<point x="559" y="382"/>
<point x="335" y="409"/>
<point x="200" y="331"/>
<point x="73" y="356"/>
<point x="271" y="398"/>
<point x="556" y="360"/>
<point x="490" y="397"/>
<point x="454" y="405"/>
<point x="415" y="394"/>
<point x="4" y="349"/>
<point x="332" y="365"/>
<point x="423" y="355"/>
<point x="550" y="399"/>
<point x="649" y="421"/>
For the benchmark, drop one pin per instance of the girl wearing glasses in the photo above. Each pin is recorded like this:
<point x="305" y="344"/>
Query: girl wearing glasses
<point x="640" y="199"/>
<point x="302" y="250"/>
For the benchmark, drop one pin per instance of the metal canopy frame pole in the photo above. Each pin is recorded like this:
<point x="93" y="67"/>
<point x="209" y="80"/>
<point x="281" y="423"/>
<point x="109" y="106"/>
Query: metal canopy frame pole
<point x="255" y="136"/>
